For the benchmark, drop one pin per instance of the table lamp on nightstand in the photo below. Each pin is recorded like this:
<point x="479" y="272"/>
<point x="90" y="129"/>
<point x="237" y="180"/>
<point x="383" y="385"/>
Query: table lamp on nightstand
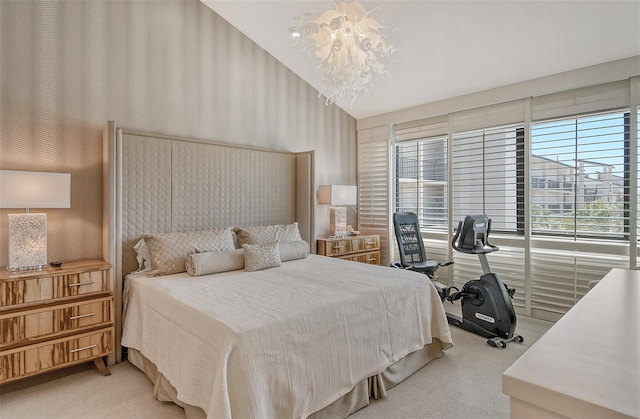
<point x="336" y="195"/>
<point x="28" y="232"/>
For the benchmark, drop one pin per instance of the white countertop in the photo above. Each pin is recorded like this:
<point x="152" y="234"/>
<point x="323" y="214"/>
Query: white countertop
<point x="588" y="363"/>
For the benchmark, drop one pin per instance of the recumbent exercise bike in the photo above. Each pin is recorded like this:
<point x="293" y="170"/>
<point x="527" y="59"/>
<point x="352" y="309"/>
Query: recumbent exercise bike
<point x="486" y="302"/>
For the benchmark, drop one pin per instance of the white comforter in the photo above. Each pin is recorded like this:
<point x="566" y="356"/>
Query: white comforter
<point x="283" y="342"/>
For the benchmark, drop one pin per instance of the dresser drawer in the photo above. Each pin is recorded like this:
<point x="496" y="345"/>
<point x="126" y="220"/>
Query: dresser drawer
<point x="33" y="359"/>
<point x="338" y="247"/>
<point x="28" y="326"/>
<point x="20" y="292"/>
<point x="365" y="248"/>
<point x="372" y="258"/>
<point x="364" y="244"/>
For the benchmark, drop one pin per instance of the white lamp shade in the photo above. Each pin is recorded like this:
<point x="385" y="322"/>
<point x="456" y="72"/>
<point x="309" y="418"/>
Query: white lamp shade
<point x="338" y="195"/>
<point x="34" y="189"/>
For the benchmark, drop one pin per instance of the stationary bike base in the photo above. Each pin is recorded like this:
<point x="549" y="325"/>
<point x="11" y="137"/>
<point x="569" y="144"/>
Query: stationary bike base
<point x="493" y="339"/>
<point x="499" y="342"/>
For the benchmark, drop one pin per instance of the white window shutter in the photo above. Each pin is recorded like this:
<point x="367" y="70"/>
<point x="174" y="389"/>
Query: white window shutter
<point x="374" y="188"/>
<point x="580" y="101"/>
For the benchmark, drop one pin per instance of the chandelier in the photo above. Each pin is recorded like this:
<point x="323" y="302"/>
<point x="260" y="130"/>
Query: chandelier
<point x="349" y="44"/>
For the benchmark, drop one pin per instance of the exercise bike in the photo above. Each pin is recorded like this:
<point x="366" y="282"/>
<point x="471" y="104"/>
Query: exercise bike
<point x="486" y="302"/>
<point x="413" y="256"/>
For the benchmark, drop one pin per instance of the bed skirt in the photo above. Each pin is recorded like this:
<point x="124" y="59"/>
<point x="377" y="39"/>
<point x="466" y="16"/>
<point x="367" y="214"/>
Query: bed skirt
<point x="373" y="387"/>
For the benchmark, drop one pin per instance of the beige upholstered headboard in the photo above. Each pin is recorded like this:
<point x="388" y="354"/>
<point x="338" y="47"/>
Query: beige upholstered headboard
<point x="159" y="184"/>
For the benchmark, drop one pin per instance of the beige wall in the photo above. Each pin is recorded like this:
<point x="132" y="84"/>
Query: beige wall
<point x="171" y="67"/>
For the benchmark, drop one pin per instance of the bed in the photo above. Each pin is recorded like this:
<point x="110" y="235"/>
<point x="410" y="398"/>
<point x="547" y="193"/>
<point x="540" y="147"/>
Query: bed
<point x="310" y="336"/>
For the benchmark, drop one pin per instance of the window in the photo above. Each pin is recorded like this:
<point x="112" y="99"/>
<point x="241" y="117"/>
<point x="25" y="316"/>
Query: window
<point x="585" y="155"/>
<point x="421" y="180"/>
<point x="488" y="176"/>
<point x="538" y="183"/>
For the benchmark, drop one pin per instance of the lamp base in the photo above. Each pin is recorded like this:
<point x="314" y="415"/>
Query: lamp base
<point x="27" y="241"/>
<point x="338" y="222"/>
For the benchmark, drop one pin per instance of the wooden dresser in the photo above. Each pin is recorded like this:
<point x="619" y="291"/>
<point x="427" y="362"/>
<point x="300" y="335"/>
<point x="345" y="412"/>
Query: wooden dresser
<point x="55" y="318"/>
<point x="363" y="248"/>
<point x="588" y="364"/>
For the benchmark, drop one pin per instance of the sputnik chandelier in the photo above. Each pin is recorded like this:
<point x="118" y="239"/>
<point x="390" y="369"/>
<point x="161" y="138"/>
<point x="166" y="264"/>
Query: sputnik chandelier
<point x="349" y="44"/>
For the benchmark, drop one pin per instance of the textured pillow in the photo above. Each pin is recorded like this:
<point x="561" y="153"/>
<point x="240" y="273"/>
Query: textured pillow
<point x="293" y="250"/>
<point x="213" y="262"/>
<point x="169" y="251"/>
<point x="256" y="235"/>
<point x="261" y="256"/>
<point x="266" y="234"/>
<point x="288" y="233"/>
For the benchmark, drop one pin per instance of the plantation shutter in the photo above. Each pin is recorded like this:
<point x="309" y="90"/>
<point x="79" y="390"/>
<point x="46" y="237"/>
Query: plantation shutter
<point x="488" y="177"/>
<point x="489" y="116"/>
<point x="634" y="162"/>
<point x="374" y="189"/>
<point x="580" y="191"/>
<point x="488" y="164"/>
<point x="580" y="101"/>
<point x="560" y="278"/>
<point x="579" y="176"/>
<point x="424" y="128"/>
<point x="637" y="184"/>
<point x="421" y="170"/>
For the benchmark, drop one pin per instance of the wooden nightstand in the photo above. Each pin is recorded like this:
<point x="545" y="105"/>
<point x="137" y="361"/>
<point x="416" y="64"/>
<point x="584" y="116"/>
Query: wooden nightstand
<point x="363" y="248"/>
<point x="55" y="318"/>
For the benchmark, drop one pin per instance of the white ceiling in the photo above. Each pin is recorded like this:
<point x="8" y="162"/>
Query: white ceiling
<point x="451" y="48"/>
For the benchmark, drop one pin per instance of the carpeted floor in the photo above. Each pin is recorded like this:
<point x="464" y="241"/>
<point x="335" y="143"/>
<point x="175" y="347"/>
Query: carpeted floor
<point x="466" y="382"/>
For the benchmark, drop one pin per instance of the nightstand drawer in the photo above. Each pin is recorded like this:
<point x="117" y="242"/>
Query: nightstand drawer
<point x="22" y="289"/>
<point x="31" y="325"/>
<point x="29" y="360"/>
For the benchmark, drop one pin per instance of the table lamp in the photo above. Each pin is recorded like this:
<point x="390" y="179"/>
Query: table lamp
<point x="336" y="195"/>
<point x="28" y="232"/>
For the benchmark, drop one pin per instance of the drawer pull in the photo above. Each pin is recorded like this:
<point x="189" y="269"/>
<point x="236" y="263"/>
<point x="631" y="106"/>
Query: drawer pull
<point x="371" y="259"/>
<point x="82" y="349"/>
<point x="81" y="316"/>
<point x="338" y="247"/>
<point x="81" y="284"/>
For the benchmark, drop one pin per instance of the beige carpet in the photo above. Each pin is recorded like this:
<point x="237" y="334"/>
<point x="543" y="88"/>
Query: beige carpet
<point x="464" y="383"/>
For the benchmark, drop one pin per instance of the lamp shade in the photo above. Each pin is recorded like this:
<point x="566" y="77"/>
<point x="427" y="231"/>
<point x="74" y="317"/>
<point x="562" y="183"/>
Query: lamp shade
<point x="337" y="195"/>
<point x="34" y="189"/>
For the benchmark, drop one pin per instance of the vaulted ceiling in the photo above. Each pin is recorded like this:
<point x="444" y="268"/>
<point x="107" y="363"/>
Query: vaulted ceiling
<point x="452" y="48"/>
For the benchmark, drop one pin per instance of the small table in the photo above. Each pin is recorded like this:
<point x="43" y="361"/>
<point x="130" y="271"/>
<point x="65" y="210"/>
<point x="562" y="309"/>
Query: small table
<point x="588" y="364"/>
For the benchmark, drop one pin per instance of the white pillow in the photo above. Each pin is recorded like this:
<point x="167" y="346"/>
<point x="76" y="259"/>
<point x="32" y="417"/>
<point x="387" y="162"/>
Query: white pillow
<point x="261" y="256"/>
<point x="142" y="256"/>
<point x="213" y="262"/>
<point x="293" y="250"/>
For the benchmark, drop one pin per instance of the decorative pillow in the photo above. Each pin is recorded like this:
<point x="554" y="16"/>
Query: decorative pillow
<point x="142" y="256"/>
<point x="293" y="250"/>
<point x="261" y="256"/>
<point x="266" y="234"/>
<point x="169" y="251"/>
<point x="288" y="233"/>
<point x="213" y="262"/>
<point x="256" y="235"/>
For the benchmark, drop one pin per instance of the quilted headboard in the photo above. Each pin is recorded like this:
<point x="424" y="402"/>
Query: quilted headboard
<point x="159" y="184"/>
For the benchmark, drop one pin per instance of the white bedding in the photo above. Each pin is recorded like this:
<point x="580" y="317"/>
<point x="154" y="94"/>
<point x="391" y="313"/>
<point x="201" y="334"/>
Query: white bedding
<point x="282" y="342"/>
